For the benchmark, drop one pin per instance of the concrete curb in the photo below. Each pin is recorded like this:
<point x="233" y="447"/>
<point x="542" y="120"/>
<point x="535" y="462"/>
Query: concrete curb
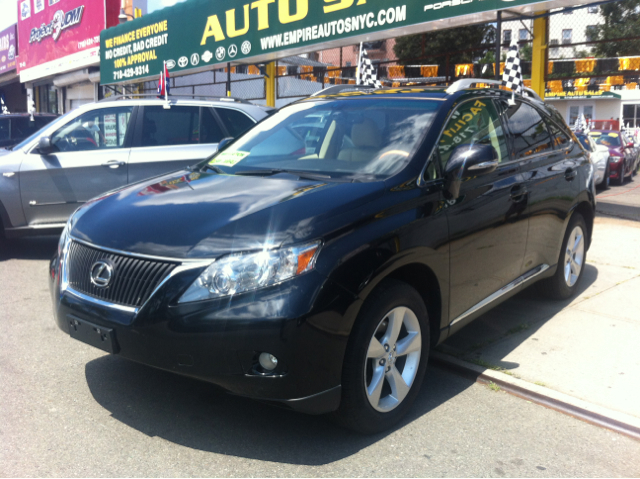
<point x="591" y="413"/>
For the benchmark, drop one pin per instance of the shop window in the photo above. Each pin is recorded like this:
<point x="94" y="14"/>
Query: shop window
<point x="46" y="99"/>
<point x="506" y="36"/>
<point x="523" y="34"/>
<point x="631" y="115"/>
<point x="566" y="36"/>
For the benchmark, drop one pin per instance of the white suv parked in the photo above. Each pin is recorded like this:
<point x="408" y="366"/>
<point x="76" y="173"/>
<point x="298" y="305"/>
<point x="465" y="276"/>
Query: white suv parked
<point x="105" y="145"/>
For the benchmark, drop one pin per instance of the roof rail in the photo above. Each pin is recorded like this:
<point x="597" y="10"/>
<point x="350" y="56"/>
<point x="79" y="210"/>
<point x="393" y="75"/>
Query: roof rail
<point x="335" y="89"/>
<point x="469" y="82"/>
<point x="154" y="96"/>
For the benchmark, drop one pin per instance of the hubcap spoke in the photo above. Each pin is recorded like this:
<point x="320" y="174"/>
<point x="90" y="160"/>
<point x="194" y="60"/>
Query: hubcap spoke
<point x="410" y="343"/>
<point x="376" y="350"/>
<point x="395" y="323"/>
<point x="399" y="388"/>
<point x="577" y="242"/>
<point x="375" y="388"/>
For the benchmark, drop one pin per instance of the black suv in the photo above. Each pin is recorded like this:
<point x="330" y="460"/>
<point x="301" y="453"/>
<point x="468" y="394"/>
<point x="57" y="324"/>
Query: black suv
<point x="315" y="260"/>
<point x="15" y="127"/>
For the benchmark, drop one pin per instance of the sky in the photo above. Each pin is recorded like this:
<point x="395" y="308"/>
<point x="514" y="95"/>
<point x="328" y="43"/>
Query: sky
<point x="8" y="13"/>
<point x="153" y="5"/>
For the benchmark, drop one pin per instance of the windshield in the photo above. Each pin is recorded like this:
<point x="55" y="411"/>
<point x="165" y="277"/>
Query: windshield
<point x="606" y="139"/>
<point x="28" y="140"/>
<point x="364" y="137"/>
<point x="585" y="142"/>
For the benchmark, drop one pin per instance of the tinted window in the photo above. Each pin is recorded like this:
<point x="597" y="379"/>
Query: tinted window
<point x="43" y="120"/>
<point x="474" y="122"/>
<point x="235" y="121"/>
<point x="180" y="125"/>
<point x="5" y="128"/>
<point x="210" y="131"/>
<point x="530" y="135"/>
<point x="94" y="130"/>
<point x="23" y="127"/>
<point x="560" y="140"/>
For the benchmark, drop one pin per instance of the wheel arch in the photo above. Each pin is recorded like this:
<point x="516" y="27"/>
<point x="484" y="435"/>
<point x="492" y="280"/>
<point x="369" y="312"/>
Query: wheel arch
<point x="586" y="210"/>
<point x="421" y="278"/>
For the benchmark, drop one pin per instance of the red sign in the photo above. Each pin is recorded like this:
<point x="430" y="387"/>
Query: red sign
<point x="50" y="30"/>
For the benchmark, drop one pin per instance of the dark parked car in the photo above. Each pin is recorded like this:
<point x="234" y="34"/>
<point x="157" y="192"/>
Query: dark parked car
<point x="623" y="157"/>
<point x="318" y="275"/>
<point x="15" y="127"/>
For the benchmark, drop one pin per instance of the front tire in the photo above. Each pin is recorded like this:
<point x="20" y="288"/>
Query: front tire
<point x="621" y="175"/>
<point x="605" y="181"/>
<point x="573" y="255"/>
<point x="386" y="359"/>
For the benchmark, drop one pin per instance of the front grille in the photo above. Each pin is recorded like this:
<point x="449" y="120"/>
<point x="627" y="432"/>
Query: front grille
<point x="133" y="279"/>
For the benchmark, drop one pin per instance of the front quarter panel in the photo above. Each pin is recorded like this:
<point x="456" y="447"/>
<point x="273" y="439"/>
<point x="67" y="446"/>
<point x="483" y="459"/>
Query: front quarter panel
<point x="10" y="202"/>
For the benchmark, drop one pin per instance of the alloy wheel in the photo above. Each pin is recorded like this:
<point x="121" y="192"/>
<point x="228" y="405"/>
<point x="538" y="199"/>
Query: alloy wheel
<point x="392" y="359"/>
<point x="574" y="256"/>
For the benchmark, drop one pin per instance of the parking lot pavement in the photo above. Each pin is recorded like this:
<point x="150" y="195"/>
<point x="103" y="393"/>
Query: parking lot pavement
<point x="586" y="347"/>
<point x="67" y="409"/>
<point x="621" y="201"/>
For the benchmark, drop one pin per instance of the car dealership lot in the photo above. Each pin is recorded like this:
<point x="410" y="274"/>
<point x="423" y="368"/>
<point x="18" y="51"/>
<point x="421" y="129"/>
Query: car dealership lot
<point x="68" y="409"/>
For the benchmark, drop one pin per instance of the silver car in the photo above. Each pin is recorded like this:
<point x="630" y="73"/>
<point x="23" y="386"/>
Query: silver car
<point x="106" y="145"/>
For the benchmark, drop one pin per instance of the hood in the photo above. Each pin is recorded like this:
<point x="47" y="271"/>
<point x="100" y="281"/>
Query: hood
<point x="203" y="215"/>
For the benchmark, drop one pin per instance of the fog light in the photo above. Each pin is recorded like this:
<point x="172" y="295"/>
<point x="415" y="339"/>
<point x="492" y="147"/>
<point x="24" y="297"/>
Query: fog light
<point x="268" y="361"/>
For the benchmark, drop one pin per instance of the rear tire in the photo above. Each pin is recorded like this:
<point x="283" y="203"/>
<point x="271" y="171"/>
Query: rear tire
<point x="573" y="255"/>
<point x="386" y="359"/>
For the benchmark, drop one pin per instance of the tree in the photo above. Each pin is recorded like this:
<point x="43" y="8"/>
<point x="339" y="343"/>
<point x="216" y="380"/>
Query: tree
<point x="621" y="20"/>
<point x="409" y="48"/>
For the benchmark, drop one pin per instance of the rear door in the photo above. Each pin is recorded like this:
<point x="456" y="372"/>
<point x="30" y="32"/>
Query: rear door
<point x="171" y="139"/>
<point x="90" y="158"/>
<point x="487" y="227"/>
<point x="547" y="156"/>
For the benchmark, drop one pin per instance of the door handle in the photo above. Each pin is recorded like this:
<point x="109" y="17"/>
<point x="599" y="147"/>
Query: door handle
<point x="570" y="174"/>
<point x="518" y="193"/>
<point x="113" y="164"/>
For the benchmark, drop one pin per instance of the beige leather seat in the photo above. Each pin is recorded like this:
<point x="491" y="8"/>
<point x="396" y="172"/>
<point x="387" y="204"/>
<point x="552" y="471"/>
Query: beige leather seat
<point x="366" y="138"/>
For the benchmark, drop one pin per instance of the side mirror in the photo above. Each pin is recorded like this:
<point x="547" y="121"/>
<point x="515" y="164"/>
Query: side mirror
<point x="630" y="145"/>
<point x="224" y="143"/>
<point x="468" y="161"/>
<point x="44" y="145"/>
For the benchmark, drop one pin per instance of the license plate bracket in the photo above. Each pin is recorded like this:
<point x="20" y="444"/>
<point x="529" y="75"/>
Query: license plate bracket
<point x="92" y="334"/>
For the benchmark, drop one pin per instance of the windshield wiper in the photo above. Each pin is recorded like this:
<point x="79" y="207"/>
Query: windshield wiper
<point x="274" y="171"/>
<point x="215" y="169"/>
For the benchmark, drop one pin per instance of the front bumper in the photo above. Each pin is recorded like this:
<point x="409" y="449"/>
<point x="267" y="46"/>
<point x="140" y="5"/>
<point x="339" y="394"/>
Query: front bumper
<point x="304" y="322"/>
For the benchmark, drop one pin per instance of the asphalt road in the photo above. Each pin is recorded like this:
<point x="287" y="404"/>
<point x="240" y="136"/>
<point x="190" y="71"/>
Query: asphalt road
<point x="67" y="409"/>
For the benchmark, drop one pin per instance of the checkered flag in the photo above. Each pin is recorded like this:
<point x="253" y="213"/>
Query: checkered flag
<point x="512" y="76"/>
<point x="367" y="75"/>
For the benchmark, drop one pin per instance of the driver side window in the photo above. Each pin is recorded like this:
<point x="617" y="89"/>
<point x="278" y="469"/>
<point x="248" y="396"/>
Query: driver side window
<point x="94" y="130"/>
<point x="473" y="122"/>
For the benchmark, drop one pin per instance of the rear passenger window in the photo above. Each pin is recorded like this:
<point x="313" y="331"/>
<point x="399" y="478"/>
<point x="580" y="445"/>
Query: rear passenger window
<point x="530" y="135"/>
<point x="235" y="121"/>
<point x="560" y="140"/>
<point x="179" y="125"/>
<point x="210" y="131"/>
<point x="474" y="122"/>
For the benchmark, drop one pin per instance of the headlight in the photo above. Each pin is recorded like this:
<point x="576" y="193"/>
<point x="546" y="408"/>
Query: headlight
<point x="615" y="159"/>
<point x="239" y="273"/>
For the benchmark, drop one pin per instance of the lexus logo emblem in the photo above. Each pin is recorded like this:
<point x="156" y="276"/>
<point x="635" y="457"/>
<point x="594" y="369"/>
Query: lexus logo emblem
<point x="101" y="274"/>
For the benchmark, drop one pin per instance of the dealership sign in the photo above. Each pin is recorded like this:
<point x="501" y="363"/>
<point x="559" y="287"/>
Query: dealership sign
<point x="582" y="95"/>
<point x="200" y="34"/>
<point x="58" y="36"/>
<point x="8" y="52"/>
